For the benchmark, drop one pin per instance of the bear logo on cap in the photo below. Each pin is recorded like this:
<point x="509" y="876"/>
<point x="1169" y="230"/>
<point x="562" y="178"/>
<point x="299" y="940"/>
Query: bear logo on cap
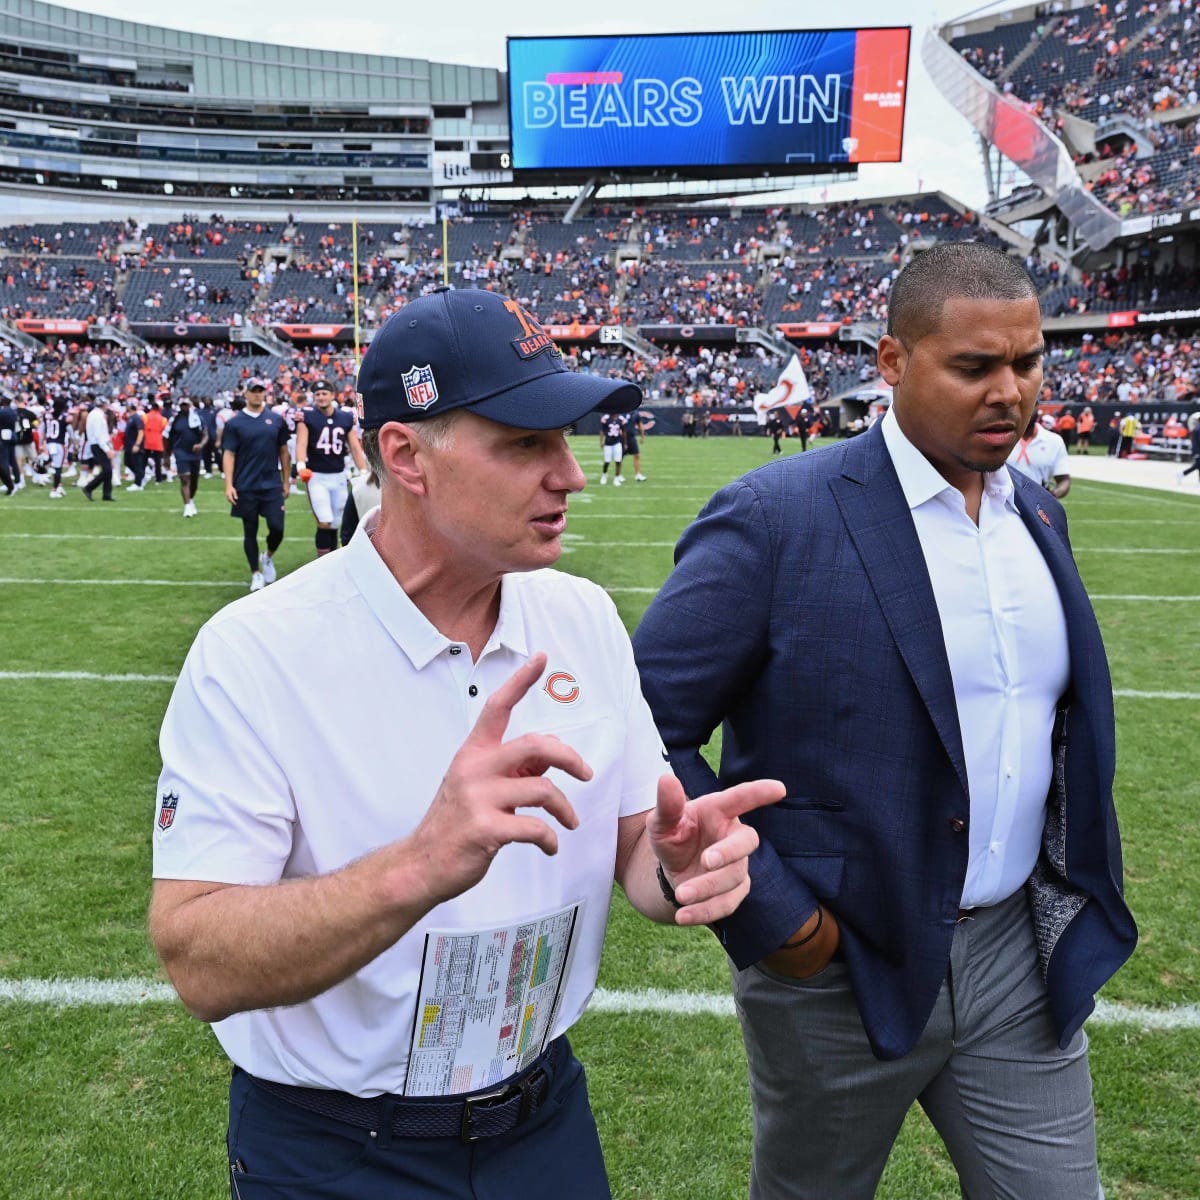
<point x="419" y="387"/>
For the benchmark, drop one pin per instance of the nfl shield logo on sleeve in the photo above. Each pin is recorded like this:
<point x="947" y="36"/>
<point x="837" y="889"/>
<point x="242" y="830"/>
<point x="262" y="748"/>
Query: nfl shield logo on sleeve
<point x="419" y="387"/>
<point x="166" y="810"/>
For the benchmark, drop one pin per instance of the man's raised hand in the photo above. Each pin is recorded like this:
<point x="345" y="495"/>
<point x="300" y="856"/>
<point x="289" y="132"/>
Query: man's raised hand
<point x="474" y="812"/>
<point x="703" y="846"/>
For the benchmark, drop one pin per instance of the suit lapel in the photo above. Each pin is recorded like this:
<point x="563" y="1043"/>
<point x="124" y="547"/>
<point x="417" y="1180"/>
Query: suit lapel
<point x="879" y="523"/>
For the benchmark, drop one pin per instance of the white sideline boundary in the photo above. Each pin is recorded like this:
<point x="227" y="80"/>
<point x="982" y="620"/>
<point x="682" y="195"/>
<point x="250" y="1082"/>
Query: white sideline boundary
<point x="80" y="993"/>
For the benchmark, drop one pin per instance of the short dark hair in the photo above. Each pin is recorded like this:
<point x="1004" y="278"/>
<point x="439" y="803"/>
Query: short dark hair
<point x="970" y="270"/>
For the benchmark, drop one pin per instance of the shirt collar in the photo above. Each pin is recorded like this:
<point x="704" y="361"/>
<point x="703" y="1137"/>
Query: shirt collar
<point x="920" y="480"/>
<point x="411" y="630"/>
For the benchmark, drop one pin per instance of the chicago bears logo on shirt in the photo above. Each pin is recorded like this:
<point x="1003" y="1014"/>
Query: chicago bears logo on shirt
<point x="420" y="387"/>
<point x="563" y="687"/>
<point x="166" y="810"/>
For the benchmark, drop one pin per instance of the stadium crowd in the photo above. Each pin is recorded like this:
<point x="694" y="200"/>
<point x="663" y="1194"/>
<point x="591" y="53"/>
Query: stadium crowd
<point x="756" y="267"/>
<point x="1137" y="61"/>
<point x="644" y="268"/>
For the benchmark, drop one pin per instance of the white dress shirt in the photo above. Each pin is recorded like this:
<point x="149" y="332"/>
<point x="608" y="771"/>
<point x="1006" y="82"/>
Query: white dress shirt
<point x="1006" y="640"/>
<point x="96" y="429"/>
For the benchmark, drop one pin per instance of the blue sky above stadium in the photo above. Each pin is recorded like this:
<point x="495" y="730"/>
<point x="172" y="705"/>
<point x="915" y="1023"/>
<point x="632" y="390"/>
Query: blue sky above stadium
<point x="940" y="150"/>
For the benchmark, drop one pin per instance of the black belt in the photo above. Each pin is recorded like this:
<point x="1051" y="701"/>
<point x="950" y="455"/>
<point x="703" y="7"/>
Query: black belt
<point x="469" y="1117"/>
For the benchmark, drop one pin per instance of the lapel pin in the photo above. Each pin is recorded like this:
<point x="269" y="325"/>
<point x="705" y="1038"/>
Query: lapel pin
<point x="1042" y="513"/>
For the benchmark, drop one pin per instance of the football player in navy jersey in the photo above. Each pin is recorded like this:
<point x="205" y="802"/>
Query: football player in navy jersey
<point x="257" y="468"/>
<point x="612" y="442"/>
<point x="323" y="436"/>
<point x="55" y="422"/>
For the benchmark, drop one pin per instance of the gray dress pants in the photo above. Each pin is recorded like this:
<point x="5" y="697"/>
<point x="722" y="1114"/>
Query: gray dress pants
<point x="1014" y="1111"/>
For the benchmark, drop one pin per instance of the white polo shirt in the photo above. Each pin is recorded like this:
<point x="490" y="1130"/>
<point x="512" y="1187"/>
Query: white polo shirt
<point x="1043" y="458"/>
<point x="313" y="722"/>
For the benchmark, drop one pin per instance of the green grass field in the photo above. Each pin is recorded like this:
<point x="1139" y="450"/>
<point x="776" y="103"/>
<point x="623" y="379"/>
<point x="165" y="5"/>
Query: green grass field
<point x="123" y="1099"/>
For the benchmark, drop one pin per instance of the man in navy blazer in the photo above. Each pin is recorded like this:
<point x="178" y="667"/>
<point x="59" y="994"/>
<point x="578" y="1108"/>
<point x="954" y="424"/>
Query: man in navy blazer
<point x="895" y="627"/>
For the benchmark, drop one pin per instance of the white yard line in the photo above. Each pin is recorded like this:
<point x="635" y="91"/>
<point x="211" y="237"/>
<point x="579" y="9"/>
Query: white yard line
<point x="87" y="675"/>
<point x="125" y="537"/>
<point x="1129" y="694"/>
<point x="97" y="677"/>
<point x="133" y="510"/>
<point x="1130" y="492"/>
<point x="70" y="993"/>
<point x="211" y="583"/>
<point x="1142" y="599"/>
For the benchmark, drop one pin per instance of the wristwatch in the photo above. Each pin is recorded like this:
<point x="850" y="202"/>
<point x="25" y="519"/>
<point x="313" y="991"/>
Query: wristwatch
<point x="667" y="890"/>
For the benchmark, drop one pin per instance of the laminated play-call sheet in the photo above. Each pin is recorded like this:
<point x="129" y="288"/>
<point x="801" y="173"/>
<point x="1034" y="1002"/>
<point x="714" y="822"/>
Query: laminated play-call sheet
<point x="487" y="1002"/>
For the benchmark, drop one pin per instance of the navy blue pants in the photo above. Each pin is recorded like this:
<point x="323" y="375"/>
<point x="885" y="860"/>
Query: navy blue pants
<point x="278" y="1151"/>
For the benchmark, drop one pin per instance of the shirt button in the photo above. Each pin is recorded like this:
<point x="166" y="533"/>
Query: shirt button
<point x="472" y="690"/>
<point x="957" y="824"/>
<point x="455" y="649"/>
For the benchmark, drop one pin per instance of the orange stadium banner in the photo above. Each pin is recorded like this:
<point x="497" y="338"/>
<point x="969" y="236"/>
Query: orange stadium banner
<point x="26" y="326"/>
<point x="309" y="332"/>
<point x="572" y="332"/>
<point x="807" y="329"/>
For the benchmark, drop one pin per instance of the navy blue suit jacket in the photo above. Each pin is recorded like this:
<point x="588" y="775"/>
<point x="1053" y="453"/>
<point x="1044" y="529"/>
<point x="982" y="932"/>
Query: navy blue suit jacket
<point x="801" y="615"/>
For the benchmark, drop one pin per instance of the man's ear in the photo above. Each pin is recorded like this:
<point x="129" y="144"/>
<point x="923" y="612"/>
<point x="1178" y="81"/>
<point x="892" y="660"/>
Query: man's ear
<point x="891" y="358"/>
<point x="403" y="455"/>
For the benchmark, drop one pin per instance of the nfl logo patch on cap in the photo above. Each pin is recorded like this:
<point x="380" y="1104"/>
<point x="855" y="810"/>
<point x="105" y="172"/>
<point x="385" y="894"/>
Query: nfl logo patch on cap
<point x="419" y="387"/>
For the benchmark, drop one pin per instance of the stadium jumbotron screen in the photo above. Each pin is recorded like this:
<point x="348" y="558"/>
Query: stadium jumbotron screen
<point x="765" y="100"/>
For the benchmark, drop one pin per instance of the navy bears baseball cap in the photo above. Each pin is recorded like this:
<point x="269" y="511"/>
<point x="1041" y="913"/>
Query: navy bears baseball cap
<point x="467" y="348"/>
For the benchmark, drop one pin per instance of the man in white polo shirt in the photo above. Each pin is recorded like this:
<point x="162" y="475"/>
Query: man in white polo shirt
<point x="388" y="932"/>
<point x="1041" y="455"/>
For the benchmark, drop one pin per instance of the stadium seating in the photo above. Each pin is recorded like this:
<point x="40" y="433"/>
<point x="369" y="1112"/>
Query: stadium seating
<point x="756" y="267"/>
<point x="1140" y="61"/>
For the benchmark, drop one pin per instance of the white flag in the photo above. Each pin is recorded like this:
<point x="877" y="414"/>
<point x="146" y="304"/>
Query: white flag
<point x="792" y="388"/>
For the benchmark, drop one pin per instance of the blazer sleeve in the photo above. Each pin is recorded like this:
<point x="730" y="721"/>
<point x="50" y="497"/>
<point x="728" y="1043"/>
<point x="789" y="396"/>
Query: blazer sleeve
<point x="700" y="645"/>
